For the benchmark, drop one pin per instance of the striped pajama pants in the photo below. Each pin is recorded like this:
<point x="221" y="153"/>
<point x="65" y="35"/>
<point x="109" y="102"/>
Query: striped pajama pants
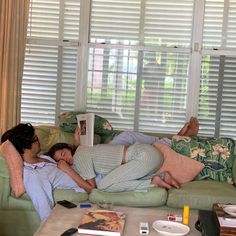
<point x="142" y="161"/>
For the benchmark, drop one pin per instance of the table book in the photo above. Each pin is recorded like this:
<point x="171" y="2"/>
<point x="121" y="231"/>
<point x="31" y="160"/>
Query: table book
<point x="102" y="222"/>
<point x="225" y="223"/>
<point x="86" y="124"/>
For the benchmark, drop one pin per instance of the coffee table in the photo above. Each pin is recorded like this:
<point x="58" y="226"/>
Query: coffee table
<point x="62" y="218"/>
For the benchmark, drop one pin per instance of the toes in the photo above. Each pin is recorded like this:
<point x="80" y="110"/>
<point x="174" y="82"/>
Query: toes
<point x="156" y="180"/>
<point x="171" y="181"/>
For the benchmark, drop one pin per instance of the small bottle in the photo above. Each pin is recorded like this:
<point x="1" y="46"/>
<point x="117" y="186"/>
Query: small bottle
<point x="186" y="215"/>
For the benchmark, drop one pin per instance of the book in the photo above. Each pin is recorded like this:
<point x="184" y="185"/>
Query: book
<point x="102" y="222"/>
<point x="86" y="124"/>
<point x="225" y="223"/>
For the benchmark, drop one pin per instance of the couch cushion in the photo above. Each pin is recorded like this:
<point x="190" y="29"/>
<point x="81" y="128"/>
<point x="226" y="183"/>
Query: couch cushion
<point x="202" y="194"/>
<point x="152" y="197"/>
<point x="70" y="195"/>
<point x="183" y="168"/>
<point x="217" y="154"/>
<point x="24" y="202"/>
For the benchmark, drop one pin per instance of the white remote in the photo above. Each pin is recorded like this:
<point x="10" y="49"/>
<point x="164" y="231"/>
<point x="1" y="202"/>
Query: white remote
<point x="144" y="228"/>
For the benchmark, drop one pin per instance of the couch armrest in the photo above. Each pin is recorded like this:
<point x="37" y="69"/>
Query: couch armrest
<point x="5" y="188"/>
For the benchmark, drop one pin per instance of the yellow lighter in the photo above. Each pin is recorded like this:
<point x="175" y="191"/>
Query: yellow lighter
<point x="186" y="215"/>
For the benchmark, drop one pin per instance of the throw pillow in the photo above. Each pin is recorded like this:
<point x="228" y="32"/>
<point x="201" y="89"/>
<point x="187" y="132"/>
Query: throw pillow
<point x="217" y="154"/>
<point x="15" y="166"/>
<point x="68" y="123"/>
<point x="182" y="168"/>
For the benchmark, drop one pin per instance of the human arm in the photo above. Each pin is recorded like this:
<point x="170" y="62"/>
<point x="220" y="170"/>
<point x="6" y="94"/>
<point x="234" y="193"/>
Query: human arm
<point x="87" y="185"/>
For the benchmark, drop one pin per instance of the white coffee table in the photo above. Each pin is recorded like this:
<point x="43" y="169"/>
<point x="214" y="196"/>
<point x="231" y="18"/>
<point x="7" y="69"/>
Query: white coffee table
<point x="62" y="218"/>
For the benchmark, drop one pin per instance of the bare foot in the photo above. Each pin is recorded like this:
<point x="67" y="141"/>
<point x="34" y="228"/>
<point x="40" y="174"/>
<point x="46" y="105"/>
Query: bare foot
<point x="156" y="180"/>
<point x="184" y="129"/>
<point x="170" y="180"/>
<point x="193" y="127"/>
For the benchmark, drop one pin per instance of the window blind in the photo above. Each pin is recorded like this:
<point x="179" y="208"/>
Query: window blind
<point x="138" y="63"/>
<point x="48" y="86"/>
<point x="217" y="110"/>
<point x="144" y="56"/>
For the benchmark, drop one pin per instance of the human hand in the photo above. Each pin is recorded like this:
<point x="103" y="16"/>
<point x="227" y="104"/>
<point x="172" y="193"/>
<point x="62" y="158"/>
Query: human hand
<point x="63" y="165"/>
<point x="77" y="136"/>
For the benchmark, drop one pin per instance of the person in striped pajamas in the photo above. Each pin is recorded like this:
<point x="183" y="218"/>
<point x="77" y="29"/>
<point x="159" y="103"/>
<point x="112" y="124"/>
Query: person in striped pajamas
<point x="122" y="167"/>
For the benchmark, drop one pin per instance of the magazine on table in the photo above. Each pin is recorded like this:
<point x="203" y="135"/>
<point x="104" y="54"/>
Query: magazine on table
<point x="86" y="124"/>
<point x="102" y="222"/>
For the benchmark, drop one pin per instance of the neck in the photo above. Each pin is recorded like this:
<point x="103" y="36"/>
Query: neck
<point x="30" y="157"/>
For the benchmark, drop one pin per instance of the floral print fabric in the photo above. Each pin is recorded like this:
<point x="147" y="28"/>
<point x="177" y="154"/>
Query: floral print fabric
<point x="217" y="154"/>
<point x="68" y="123"/>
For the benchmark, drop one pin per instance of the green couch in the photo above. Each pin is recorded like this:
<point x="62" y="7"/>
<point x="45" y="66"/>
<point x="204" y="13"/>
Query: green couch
<point x="18" y="217"/>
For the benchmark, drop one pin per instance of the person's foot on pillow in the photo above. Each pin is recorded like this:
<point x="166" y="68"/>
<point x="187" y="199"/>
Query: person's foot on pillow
<point x="170" y="180"/>
<point x="167" y="181"/>
<point x="156" y="180"/>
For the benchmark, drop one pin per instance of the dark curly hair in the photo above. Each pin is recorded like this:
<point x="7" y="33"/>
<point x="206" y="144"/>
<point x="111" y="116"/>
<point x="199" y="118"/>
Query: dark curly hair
<point x="21" y="136"/>
<point x="59" y="146"/>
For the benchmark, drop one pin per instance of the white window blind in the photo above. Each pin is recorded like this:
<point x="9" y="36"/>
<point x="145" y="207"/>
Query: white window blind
<point x="138" y="63"/>
<point x="217" y="109"/>
<point x="139" y="67"/>
<point x="49" y="77"/>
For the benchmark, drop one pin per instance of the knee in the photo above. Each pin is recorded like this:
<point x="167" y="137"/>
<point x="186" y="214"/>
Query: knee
<point x="102" y="185"/>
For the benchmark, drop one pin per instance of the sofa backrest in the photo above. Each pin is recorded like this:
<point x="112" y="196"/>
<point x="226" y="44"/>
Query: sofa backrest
<point x="49" y="135"/>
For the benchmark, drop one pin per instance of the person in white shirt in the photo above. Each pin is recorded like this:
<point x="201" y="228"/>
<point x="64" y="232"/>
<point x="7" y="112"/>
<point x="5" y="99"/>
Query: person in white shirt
<point x="41" y="174"/>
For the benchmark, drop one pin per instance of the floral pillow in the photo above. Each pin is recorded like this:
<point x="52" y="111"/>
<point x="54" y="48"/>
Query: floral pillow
<point x="217" y="154"/>
<point x="68" y="123"/>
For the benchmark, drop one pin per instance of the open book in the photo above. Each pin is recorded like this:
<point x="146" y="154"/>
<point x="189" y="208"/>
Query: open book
<point x="86" y="124"/>
<point x="102" y="222"/>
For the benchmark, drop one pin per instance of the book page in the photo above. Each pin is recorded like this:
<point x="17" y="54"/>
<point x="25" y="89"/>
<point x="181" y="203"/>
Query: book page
<point x="86" y="125"/>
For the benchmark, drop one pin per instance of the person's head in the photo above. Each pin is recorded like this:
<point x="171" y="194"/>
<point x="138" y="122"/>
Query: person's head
<point x="22" y="136"/>
<point x="62" y="151"/>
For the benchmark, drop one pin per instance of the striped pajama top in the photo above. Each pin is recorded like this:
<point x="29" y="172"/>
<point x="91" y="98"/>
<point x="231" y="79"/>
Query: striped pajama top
<point x="99" y="159"/>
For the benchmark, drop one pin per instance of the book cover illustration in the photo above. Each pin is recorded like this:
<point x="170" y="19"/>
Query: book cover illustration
<point x="102" y="222"/>
<point x="86" y="124"/>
